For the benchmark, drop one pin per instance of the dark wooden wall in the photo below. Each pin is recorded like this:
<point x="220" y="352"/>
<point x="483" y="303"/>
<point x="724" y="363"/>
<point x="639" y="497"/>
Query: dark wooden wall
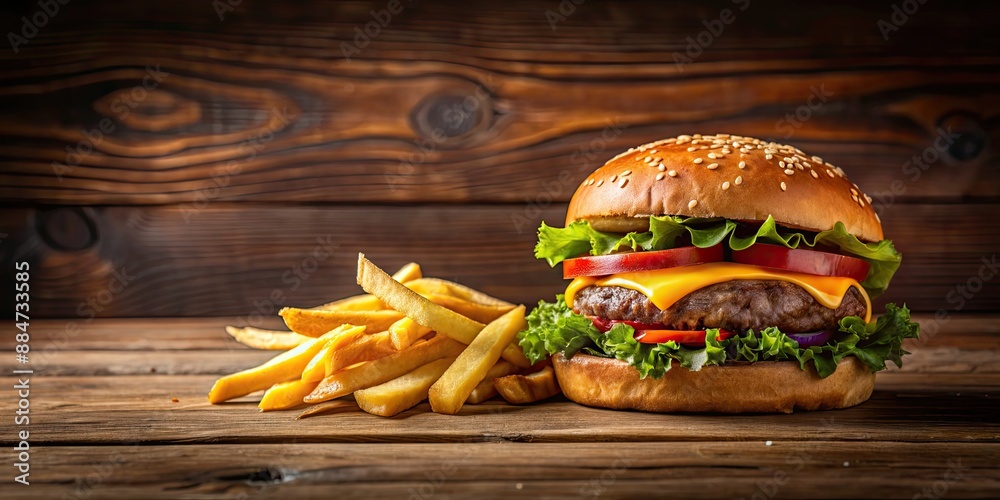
<point x="450" y="136"/>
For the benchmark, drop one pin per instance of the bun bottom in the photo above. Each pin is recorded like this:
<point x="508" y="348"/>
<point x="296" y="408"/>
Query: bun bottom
<point x="763" y="387"/>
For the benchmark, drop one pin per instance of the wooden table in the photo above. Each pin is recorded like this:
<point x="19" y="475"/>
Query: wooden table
<point x="121" y="412"/>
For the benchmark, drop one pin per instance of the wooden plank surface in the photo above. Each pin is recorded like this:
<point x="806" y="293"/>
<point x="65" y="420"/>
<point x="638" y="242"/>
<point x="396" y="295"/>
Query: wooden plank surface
<point x="783" y="469"/>
<point x="105" y="426"/>
<point x="249" y="260"/>
<point x="302" y="123"/>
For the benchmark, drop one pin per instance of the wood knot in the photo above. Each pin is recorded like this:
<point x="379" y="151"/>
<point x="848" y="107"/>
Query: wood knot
<point x="66" y="228"/>
<point x="454" y="116"/>
<point x="152" y="110"/>
<point x="964" y="133"/>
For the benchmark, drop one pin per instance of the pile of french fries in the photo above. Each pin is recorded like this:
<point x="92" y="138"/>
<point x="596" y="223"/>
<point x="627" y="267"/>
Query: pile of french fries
<point x="408" y="339"/>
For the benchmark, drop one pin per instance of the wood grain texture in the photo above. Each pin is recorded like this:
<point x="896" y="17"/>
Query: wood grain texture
<point x="503" y="470"/>
<point x="963" y="331"/>
<point x="923" y="423"/>
<point x="945" y="391"/>
<point x="263" y="107"/>
<point x="249" y="260"/>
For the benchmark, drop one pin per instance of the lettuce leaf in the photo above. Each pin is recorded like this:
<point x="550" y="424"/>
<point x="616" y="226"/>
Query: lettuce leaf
<point x="558" y="244"/>
<point x="555" y="328"/>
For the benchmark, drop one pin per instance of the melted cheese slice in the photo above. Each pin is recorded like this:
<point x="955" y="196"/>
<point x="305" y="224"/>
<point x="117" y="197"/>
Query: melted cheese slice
<point x="664" y="287"/>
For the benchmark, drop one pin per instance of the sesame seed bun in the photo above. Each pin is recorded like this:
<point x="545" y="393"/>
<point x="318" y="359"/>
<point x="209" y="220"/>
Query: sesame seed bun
<point x="739" y="178"/>
<point x="762" y="387"/>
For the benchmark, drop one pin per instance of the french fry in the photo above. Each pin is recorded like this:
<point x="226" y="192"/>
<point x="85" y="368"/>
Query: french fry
<point x="469" y="309"/>
<point x="401" y="394"/>
<point x="366" y="302"/>
<point x="426" y="313"/>
<point x="449" y="393"/>
<point x="405" y="332"/>
<point x="314" y="322"/>
<point x="285" y="395"/>
<point x="365" y="348"/>
<point x="520" y="389"/>
<point x="266" y="339"/>
<point x="485" y="389"/>
<point x="363" y="302"/>
<point x="408" y="273"/>
<point x="426" y="286"/>
<point x="384" y="369"/>
<point x="283" y="367"/>
<point x="318" y="366"/>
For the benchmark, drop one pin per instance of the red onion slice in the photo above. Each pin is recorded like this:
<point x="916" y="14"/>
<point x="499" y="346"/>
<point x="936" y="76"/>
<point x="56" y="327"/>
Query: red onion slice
<point x="812" y="339"/>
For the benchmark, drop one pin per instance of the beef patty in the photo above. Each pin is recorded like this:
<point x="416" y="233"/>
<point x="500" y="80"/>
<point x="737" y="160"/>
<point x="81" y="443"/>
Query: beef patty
<point x="733" y="305"/>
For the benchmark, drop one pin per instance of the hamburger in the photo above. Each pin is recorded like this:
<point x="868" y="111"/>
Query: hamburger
<point x="718" y="273"/>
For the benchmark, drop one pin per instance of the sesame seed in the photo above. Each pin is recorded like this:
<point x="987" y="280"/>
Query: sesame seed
<point x="781" y="164"/>
<point x="713" y="166"/>
<point x="814" y="174"/>
<point x="614" y="178"/>
<point x="868" y="198"/>
<point x="672" y="173"/>
<point x="600" y="182"/>
<point x="652" y="151"/>
<point x="661" y="168"/>
<point x="626" y="173"/>
<point x="659" y="176"/>
<point x="768" y="157"/>
<point x="711" y="155"/>
<point x="854" y="197"/>
<point x="692" y="149"/>
<point x="788" y="160"/>
<point x="789" y="171"/>
<point x="817" y="159"/>
<point x="800" y="167"/>
<point x="692" y="203"/>
<point x="697" y="161"/>
<point x="784" y="187"/>
<point x="726" y="151"/>
<point x="725" y="185"/>
<point x="739" y="180"/>
<point x="648" y="159"/>
<point x="807" y="164"/>
<point x="742" y="164"/>
<point x="829" y="172"/>
<point x="622" y="182"/>
<point x="854" y="191"/>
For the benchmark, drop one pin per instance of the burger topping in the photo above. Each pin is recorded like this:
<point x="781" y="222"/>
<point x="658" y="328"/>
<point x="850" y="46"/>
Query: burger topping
<point x="664" y="287"/>
<point x="601" y="265"/>
<point x="734" y="305"/>
<point x="555" y="245"/>
<point x="555" y="328"/>
<point x="802" y="261"/>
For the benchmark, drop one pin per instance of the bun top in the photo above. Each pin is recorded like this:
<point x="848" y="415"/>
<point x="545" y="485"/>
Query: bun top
<point x="739" y="178"/>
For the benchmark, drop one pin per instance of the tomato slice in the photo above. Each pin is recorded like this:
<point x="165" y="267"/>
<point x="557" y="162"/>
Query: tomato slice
<point x="679" y="336"/>
<point x="600" y="265"/>
<point x="803" y="261"/>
